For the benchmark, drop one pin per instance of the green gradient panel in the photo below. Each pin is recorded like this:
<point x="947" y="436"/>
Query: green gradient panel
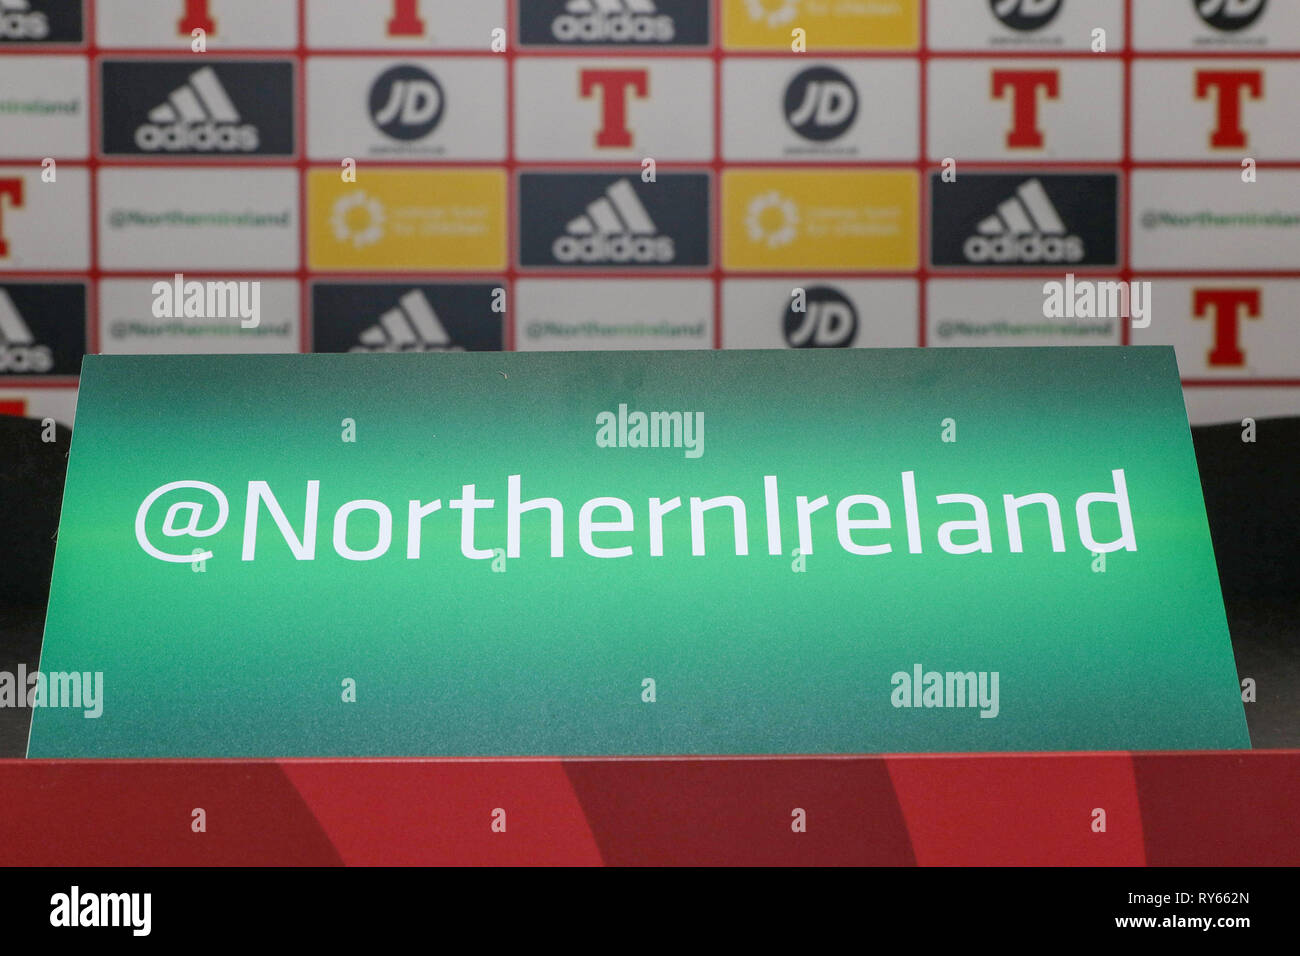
<point x="455" y="656"/>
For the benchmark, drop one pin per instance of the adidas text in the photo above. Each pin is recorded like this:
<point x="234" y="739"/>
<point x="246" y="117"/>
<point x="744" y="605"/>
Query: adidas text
<point x="583" y="24"/>
<point x="22" y="24"/>
<point x="1024" y="249"/>
<point x="619" y="248"/>
<point x="208" y="138"/>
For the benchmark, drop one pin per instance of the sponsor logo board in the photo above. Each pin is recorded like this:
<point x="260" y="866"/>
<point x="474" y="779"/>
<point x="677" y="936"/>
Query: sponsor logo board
<point x="604" y="221"/>
<point x="782" y="220"/>
<point x="128" y="325"/>
<point x="59" y="404"/>
<point x="404" y="24"/>
<point x="170" y="24"/>
<point x="1227" y="328"/>
<point x="1221" y="109"/>
<point x="27" y="22"/>
<point x="998" y="110"/>
<point x="1024" y="24"/>
<point x="1214" y="25"/>
<point x="44" y="226"/>
<point x="369" y="317"/>
<point x="1005" y="312"/>
<point x="1207" y="405"/>
<point x="43" y="111"/>
<point x="222" y="108"/>
<point x="406" y="108"/>
<point x="824" y="312"/>
<point x="614" y="109"/>
<point x="828" y="24"/>
<point x="42" y="329"/>
<point x="198" y="219"/>
<point x="1190" y="220"/>
<point x="1025" y="220"/>
<point x="568" y="315"/>
<point x="832" y="110"/>
<point x="446" y="219"/>
<point x="636" y="24"/>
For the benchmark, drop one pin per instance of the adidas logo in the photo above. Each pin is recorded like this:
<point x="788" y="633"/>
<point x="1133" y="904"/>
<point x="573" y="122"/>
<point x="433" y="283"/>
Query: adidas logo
<point x="1026" y="228"/>
<point x="613" y="21"/>
<point x="18" y="350"/>
<point x="19" y="22"/>
<point x="615" y="229"/>
<point x="411" y="326"/>
<point x="197" y="116"/>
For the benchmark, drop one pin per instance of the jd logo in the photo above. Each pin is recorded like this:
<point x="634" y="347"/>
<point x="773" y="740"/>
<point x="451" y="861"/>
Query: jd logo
<point x="1026" y="14"/>
<point x="1230" y="15"/>
<point x="820" y="103"/>
<point x="406" y="102"/>
<point x="829" y="321"/>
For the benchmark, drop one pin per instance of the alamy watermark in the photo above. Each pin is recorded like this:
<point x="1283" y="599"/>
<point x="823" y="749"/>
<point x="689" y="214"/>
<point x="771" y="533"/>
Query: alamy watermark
<point x="211" y="299"/>
<point x="70" y="689"/>
<point x="1087" y="299"/>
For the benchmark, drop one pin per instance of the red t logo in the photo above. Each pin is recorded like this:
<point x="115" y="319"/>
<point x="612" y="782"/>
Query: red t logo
<point x="13" y="188"/>
<point x="1229" y="84"/>
<point x="613" y="85"/>
<point x="196" y="17"/>
<point x="1225" y="304"/>
<point x="406" y="20"/>
<point x="1024" y="86"/>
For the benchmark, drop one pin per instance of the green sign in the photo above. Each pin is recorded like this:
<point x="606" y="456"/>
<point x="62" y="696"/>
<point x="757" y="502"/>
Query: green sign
<point x="635" y="553"/>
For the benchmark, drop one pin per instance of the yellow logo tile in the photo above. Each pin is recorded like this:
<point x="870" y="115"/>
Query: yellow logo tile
<point x="451" y="219"/>
<point x="828" y="24"/>
<point x="781" y="220"/>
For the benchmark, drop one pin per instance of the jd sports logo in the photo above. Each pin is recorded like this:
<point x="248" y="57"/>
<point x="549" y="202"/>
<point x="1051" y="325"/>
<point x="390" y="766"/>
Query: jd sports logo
<point x="1230" y="15"/>
<point x="1008" y="220"/>
<point x="827" y="321"/>
<point x="620" y="222"/>
<point x="350" y="317"/>
<point x="614" y="22"/>
<point x="42" y="329"/>
<point x="228" y="108"/>
<point x="406" y="102"/>
<point x="820" y="103"/>
<point x="1026" y="15"/>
